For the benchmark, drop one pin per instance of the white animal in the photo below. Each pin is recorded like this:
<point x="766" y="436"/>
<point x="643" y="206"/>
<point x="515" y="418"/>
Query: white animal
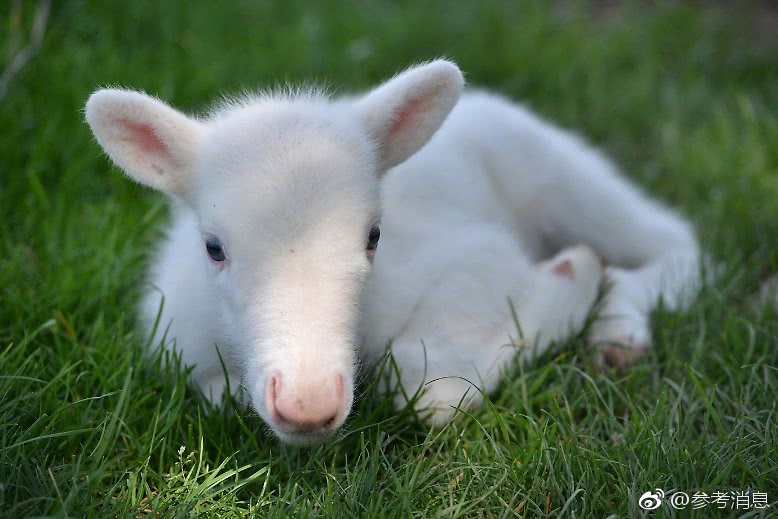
<point x="277" y="201"/>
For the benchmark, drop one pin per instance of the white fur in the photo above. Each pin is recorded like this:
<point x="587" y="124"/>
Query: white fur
<point x="492" y="208"/>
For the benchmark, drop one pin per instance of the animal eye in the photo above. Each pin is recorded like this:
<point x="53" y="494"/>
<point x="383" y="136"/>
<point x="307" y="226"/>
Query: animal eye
<point x="372" y="238"/>
<point x="215" y="249"/>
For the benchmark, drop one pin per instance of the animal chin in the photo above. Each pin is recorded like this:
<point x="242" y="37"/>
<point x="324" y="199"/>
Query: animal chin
<point x="302" y="439"/>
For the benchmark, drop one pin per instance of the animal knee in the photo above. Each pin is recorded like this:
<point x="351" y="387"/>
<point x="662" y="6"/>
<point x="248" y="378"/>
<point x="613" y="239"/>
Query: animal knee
<point x="439" y="400"/>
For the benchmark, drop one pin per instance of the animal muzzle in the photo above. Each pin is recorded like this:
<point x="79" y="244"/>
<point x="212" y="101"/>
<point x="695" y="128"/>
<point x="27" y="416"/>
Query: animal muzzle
<point x="308" y="409"/>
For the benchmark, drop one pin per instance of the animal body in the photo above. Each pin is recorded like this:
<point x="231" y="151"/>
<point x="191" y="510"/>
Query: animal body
<point x="272" y="259"/>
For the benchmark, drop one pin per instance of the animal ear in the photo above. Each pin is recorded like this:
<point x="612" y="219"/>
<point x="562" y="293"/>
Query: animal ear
<point x="402" y="114"/>
<point x="153" y="143"/>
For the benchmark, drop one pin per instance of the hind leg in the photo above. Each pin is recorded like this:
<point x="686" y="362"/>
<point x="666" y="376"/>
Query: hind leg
<point x="664" y="265"/>
<point x="567" y="193"/>
<point x="652" y="253"/>
<point x="463" y="336"/>
<point x="621" y="333"/>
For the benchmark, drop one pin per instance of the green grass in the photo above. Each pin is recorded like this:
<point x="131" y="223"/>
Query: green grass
<point x="684" y="96"/>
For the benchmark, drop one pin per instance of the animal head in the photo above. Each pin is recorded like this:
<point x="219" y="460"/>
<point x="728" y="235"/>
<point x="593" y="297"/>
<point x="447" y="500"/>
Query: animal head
<point x="285" y="190"/>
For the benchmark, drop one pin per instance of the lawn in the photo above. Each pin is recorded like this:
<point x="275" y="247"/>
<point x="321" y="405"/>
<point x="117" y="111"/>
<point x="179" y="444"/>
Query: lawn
<point x="684" y="96"/>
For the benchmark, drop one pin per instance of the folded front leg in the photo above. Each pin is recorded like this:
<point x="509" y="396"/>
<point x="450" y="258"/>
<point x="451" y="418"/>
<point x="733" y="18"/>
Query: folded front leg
<point x="457" y="348"/>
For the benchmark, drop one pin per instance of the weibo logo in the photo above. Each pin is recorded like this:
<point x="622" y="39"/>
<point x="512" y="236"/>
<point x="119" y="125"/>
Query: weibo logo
<point x="651" y="500"/>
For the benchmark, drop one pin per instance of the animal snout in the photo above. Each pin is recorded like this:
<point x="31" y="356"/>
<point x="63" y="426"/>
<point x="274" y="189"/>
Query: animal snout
<point x="306" y="407"/>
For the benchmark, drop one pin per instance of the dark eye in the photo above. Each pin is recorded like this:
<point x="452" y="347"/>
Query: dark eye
<point x="215" y="249"/>
<point x="372" y="238"/>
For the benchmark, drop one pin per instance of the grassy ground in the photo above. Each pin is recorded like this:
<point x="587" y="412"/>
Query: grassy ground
<point x="684" y="97"/>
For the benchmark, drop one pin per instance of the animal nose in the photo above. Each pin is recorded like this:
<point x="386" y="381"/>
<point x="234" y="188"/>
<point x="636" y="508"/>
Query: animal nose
<point x="306" y="408"/>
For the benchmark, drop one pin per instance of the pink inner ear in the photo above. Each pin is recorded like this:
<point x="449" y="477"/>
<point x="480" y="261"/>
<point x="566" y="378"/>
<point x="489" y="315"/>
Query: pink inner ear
<point x="405" y="117"/>
<point x="143" y="136"/>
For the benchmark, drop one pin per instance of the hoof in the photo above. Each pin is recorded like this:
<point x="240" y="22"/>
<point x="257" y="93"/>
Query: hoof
<point x="619" y="355"/>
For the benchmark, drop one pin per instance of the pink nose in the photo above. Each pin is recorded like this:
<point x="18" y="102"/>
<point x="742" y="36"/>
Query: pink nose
<point x="310" y="407"/>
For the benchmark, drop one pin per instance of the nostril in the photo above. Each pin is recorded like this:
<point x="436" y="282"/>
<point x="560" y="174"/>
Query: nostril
<point x="275" y="383"/>
<point x="271" y="395"/>
<point x="330" y="424"/>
